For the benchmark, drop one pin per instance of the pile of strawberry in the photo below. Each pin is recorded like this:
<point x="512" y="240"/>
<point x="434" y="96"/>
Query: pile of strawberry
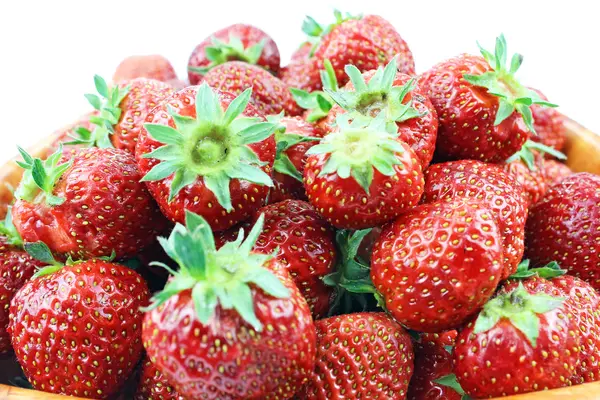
<point x="339" y="228"/>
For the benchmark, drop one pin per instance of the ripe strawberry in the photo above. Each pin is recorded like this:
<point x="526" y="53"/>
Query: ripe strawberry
<point x="396" y="95"/>
<point x="269" y="94"/>
<point x="555" y="171"/>
<point x="361" y="175"/>
<point x="230" y="324"/>
<point x="153" y="385"/>
<point x="437" y="264"/>
<point x="522" y="341"/>
<point x="68" y="132"/>
<point x="484" y="112"/>
<point x="238" y="42"/>
<point x="360" y="356"/>
<point x="76" y="329"/>
<point x="549" y="125"/>
<point x="565" y="227"/>
<point x="153" y="66"/>
<point x="82" y="208"/>
<point x="213" y="157"/>
<point x="499" y="192"/>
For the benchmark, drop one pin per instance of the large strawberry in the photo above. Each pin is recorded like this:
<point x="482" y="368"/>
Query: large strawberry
<point x="360" y="356"/>
<point x="565" y="227"/>
<point x="153" y="66"/>
<point x="212" y="156"/>
<point x="76" y="329"/>
<point x="83" y="207"/>
<point x="499" y="192"/>
<point x="549" y="125"/>
<point x="524" y="340"/>
<point x="484" y="112"/>
<point x="238" y="42"/>
<point x="270" y="95"/>
<point x="437" y="264"/>
<point x="361" y="175"/>
<point x="153" y="385"/>
<point x="230" y="324"/>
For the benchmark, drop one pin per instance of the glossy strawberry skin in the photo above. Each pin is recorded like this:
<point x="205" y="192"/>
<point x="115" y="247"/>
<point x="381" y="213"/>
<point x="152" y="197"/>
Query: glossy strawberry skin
<point x="153" y="66"/>
<point x="16" y="267"/>
<point x="466" y="114"/>
<point x="153" y="385"/>
<point x="499" y="191"/>
<point x="419" y="133"/>
<point x="533" y="181"/>
<point x="437" y="264"/>
<point x="565" y="227"/>
<point x="346" y="205"/>
<point x="303" y="74"/>
<point x="245" y="196"/>
<point x="144" y="94"/>
<point x="549" y="125"/>
<point x="249" y="35"/>
<point x="78" y="331"/>
<point x="502" y="362"/>
<point x="360" y="356"/>
<point x="555" y="171"/>
<point x="270" y="95"/>
<point x="101" y="191"/>
<point x="227" y="359"/>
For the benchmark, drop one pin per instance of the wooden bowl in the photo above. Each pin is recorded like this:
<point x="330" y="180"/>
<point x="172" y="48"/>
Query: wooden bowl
<point x="582" y="149"/>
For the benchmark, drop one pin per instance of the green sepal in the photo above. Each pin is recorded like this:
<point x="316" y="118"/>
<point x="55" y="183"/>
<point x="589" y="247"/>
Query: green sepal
<point x="526" y="154"/>
<point x="8" y="230"/>
<point x="318" y="103"/>
<point x="317" y="32"/>
<point x="451" y="382"/>
<point x="41" y="252"/>
<point x="233" y="50"/>
<point x="548" y="271"/>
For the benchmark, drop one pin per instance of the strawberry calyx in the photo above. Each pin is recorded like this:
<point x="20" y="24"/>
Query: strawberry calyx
<point x="9" y="232"/>
<point x="358" y="146"/>
<point x="40" y="177"/>
<point x="451" y="382"/>
<point x="233" y="50"/>
<point x="106" y="103"/>
<point x="213" y="146"/>
<point x="501" y="82"/>
<point x="521" y="308"/>
<point x="527" y="156"/>
<point x="316" y="32"/>
<point x="217" y="277"/>
<point x="377" y="96"/>
<point x="548" y="271"/>
<point x="318" y="103"/>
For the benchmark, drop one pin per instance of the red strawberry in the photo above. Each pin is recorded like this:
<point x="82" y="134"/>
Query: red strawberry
<point x="549" y="125"/>
<point x="238" y="42"/>
<point x="76" y="330"/>
<point x="360" y="356"/>
<point x="522" y="341"/>
<point x="361" y="175"/>
<point x="483" y="111"/>
<point x="498" y="191"/>
<point x="82" y="208"/>
<point x="555" y="171"/>
<point x="437" y="264"/>
<point x="396" y="95"/>
<point x="269" y="94"/>
<point x="153" y="385"/>
<point x="230" y="324"/>
<point x="68" y="133"/>
<point x="565" y="227"/>
<point x="213" y="156"/>
<point x="153" y="66"/>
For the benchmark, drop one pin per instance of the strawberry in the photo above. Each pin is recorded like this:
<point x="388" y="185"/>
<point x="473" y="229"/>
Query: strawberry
<point x="81" y="208"/>
<point x="398" y="97"/>
<point x="302" y="75"/>
<point x="360" y="356"/>
<point x="269" y="94"/>
<point x="153" y="66"/>
<point x="549" y="125"/>
<point x="76" y="329"/>
<point x="361" y="175"/>
<point x="437" y="264"/>
<point x="565" y="227"/>
<point x="522" y="341"/>
<point x="476" y="96"/>
<point x="238" y="42"/>
<point x="555" y="171"/>
<point x="68" y="132"/>
<point x="498" y="191"/>
<point x="230" y="324"/>
<point x="153" y="385"/>
<point x="212" y="156"/>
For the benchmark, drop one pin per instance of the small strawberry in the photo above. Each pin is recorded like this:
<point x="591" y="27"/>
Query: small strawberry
<point x="549" y="125"/>
<point x="208" y="152"/>
<point x="238" y="42"/>
<point x="522" y="341"/>
<point x="361" y="175"/>
<point x="83" y="207"/>
<point x="360" y="356"/>
<point x="564" y="226"/>
<point x="555" y="171"/>
<point x="269" y="94"/>
<point x="76" y="329"/>
<point x="484" y="112"/>
<point x="153" y="385"/>
<point x="437" y="264"/>
<point x="499" y="192"/>
<point x="230" y="324"/>
<point x="153" y="66"/>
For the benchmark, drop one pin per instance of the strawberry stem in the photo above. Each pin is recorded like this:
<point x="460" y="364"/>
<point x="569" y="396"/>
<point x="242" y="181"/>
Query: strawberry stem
<point x="233" y="50"/>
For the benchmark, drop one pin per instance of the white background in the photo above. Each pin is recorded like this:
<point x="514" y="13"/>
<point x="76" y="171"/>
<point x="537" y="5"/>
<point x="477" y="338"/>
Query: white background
<point x="50" y="50"/>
